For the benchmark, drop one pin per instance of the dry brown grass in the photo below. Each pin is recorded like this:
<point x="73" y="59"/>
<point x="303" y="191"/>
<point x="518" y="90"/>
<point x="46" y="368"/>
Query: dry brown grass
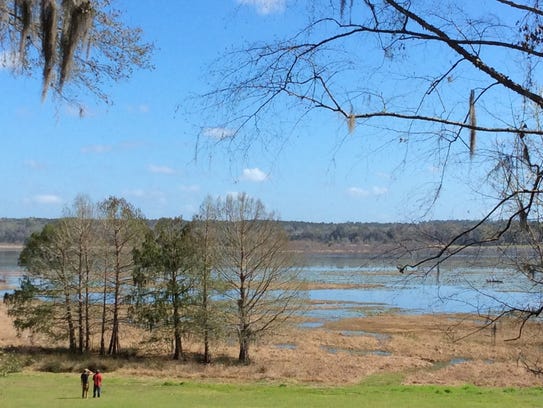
<point x="421" y="348"/>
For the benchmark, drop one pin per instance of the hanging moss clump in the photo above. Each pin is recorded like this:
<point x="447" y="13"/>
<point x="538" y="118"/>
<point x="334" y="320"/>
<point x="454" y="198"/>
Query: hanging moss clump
<point x="472" y="123"/>
<point x="23" y="10"/>
<point x="48" y="20"/>
<point x="78" y="16"/>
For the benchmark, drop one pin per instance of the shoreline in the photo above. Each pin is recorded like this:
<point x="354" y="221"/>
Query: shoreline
<point x="8" y="246"/>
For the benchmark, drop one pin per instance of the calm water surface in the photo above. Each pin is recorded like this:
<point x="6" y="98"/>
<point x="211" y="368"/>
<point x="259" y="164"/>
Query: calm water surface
<point x="456" y="289"/>
<point x="9" y="271"/>
<point x="459" y="289"/>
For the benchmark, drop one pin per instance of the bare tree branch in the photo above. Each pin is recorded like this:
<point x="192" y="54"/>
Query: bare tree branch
<point x="473" y="58"/>
<point x="534" y="10"/>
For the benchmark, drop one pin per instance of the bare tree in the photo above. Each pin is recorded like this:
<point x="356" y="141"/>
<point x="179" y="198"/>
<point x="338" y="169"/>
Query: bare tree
<point x="46" y="300"/>
<point x="123" y="230"/>
<point x="209" y="316"/>
<point x="259" y="274"/>
<point x="60" y="263"/>
<point x="79" y="229"/>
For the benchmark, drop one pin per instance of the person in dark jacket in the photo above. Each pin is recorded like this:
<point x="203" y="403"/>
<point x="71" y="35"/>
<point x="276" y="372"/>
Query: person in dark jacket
<point x="85" y="383"/>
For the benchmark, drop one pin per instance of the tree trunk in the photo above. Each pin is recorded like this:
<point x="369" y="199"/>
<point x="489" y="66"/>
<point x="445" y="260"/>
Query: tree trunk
<point x="103" y="328"/>
<point x="244" y="348"/>
<point x="243" y="332"/>
<point x="80" y="321"/>
<point x="207" y="355"/>
<point x="178" y="346"/>
<point x="87" y="306"/>
<point x="114" y="340"/>
<point x="71" y="328"/>
<point x="114" y="344"/>
<point x="80" y="329"/>
<point x="114" y="347"/>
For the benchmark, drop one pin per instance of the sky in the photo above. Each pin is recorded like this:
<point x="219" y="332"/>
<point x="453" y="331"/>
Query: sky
<point x="145" y="148"/>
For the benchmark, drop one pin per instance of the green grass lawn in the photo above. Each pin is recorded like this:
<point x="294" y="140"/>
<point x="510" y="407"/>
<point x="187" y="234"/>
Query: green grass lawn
<point x="62" y="390"/>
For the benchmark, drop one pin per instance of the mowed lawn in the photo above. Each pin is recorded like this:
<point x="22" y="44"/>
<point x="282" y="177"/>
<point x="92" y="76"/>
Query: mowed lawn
<point x="46" y="390"/>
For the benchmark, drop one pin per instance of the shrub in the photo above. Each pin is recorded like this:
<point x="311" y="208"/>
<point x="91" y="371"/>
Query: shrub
<point x="55" y="366"/>
<point x="10" y="363"/>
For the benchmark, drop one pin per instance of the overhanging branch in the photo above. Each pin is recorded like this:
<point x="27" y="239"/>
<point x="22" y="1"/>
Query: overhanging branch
<point x="472" y="58"/>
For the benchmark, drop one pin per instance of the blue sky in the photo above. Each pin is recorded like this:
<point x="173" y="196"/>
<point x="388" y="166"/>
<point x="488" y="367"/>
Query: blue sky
<point x="143" y="147"/>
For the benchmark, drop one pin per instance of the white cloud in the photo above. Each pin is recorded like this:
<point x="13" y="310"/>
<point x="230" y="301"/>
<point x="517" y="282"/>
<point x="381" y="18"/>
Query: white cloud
<point x="357" y="192"/>
<point x="265" y="6"/>
<point x="190" y="189"/>
<point x="141" y="108"/>
<point x="379" y="190"/>
<point x="383" y="175"/>
<point x="156" y="196"/>
<point x="138" y="192"/>
<point x="47" y="199"/>
<point x="33" y="164"/>
<point x="218" y="133"/>
<point x="361" y="192"/>
<point x="256" y="175"/>
<point x="98" y="149"/>
<point x="160" y="169"/>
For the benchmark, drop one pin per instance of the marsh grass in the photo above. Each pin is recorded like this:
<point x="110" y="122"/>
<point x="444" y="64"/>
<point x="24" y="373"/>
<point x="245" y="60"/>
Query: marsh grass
<point x="422" y="350"/>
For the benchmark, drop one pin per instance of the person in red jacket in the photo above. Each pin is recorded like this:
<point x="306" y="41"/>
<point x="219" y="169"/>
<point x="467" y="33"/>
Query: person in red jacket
<point x="97" y="380"/>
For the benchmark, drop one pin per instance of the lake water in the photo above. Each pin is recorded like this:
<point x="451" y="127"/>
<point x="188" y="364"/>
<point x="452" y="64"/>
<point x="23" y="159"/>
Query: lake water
<point x="9" y="271"/>
<point x="459" y="289"/>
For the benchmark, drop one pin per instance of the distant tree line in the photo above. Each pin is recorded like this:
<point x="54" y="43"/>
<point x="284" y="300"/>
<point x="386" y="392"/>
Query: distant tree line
<point x="429" y="232"/>
<point x="103" y="268"/>
<point x="18" y="230"/>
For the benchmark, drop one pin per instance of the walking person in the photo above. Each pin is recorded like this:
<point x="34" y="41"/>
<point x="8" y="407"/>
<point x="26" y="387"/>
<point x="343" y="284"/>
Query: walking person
<point x="97" y="381"/>
<point x="85" y="383"/>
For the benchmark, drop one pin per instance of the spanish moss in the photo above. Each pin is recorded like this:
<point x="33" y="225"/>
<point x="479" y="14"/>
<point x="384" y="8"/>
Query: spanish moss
<point x="52" y="39"/>
<point x="473" y="123"/>
<point x="25" y="9"/>
<point x="4" y="18"/>
<point x="77" y="28"/>
<point x="351" y="122"/>
<point x="49" y="41"/>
